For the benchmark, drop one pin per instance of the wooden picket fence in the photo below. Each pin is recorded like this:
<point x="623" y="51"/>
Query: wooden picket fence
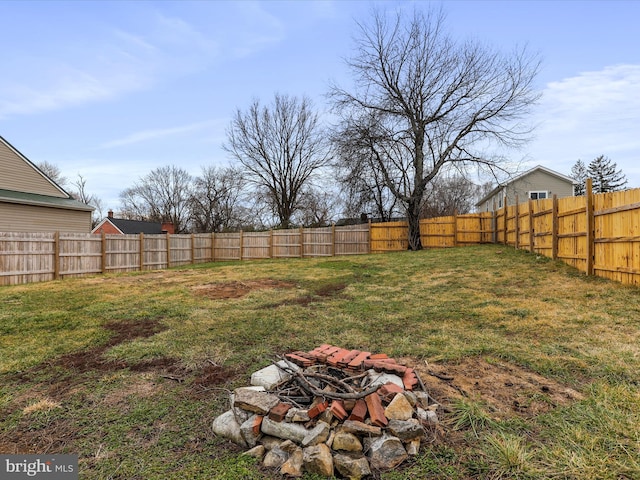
<point x="597" y="234"/>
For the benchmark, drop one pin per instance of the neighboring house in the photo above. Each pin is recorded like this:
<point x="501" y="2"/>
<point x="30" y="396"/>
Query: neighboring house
<point x="535" y="184"/>
<point x="121" y="226"/>
<point x="32" y="202"/>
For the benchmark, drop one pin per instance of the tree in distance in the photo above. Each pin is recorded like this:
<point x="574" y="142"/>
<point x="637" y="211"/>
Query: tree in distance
<point x="423" y="103"/>
<point x="605" y="175"/>
<point x="281" y="147"/>
<point x="163" y="195"/>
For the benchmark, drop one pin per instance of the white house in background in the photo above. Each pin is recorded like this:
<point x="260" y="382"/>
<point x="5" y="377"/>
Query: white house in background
<point x="535" y="184"/>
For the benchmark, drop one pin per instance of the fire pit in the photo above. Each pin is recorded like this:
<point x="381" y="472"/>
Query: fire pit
<point x="330" y="411"/>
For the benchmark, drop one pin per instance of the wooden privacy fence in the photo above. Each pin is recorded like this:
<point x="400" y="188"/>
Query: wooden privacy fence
<point x="597" y="234"/>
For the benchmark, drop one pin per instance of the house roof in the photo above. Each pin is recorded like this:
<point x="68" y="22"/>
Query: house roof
<point x="10" y="196"/>
<point x="522" y="175"/>
<point x="132" y="226"/>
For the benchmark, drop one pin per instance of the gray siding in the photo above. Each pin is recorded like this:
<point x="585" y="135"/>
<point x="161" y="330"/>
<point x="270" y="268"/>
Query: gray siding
<point x="536" y="181"/>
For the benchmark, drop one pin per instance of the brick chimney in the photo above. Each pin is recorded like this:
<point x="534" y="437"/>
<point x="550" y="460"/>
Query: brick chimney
<point x="167" y="227"/>
<point x="110" y="214"/>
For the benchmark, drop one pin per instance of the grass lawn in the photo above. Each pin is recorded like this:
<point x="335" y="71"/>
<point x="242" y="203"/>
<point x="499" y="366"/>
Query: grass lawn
<point x="536" y="365"/>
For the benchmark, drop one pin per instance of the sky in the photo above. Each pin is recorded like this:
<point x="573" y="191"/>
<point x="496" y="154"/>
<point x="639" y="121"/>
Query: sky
<point x="111" y="90"/>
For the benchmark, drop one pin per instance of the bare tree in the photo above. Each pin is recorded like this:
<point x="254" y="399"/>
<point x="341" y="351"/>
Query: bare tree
<point x="316" y="208"/>
<point x="216" y="200"/>
<point x="281" y="147"/>
<point x="362" y="183"/>
<point x="80" y="193"/>
<point x="163" y="195"/>
<point x="448" y="195"/>
<point x="422" y="101"/>
<point x="53" y="172"/>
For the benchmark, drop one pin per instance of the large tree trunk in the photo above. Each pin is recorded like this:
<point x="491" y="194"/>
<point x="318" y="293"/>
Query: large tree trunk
<point x="413" y="216"/>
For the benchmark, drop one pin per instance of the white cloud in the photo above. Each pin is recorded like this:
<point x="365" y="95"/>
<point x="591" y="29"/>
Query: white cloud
<point x="154" y="134"/>
<point x="102" y="66"/>
<point x="594" y="113"/>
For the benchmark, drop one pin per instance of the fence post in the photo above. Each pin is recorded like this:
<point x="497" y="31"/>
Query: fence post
<point x="333" y="239"/>
<point x="141" y="251"/>
<point x="370" y="239"/>
<point x="531" y="234"/>
<point x="517" y="225"/>
<point x="56" y="254"/>
<point x="301" y="242"/>
<point x="271" y="243"/>
<point x="168" y="250"/>
<point x="213" y="246"/>
<point x="590" y="227"/>
<point x="494" y="223"/>
<point x="240" y="238"/>
<point x="455" y="227"/>
<point x="554" y="228"/>
<point x="104" y="252"/>
<point x="506" y="221"/>
<point x="193" y="249"/>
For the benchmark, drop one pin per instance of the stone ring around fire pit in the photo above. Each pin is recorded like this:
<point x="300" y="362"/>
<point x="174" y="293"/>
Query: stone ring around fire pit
<point x="330" y="409"/>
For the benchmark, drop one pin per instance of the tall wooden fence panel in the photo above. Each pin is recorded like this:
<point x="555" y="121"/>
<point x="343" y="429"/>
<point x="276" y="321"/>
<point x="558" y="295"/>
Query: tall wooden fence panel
<point x="256" y="245"/>
<point x="27" y="257"/>
<point x="572" y="231"/>
<point x="202" y="247"/>
<point x="389" y="237"/>
<point x="318" y="242"/>
<point x="79" y="254"/>
<point x="155" y="253"/>
<point x="541" y="231"/>
<point x="438" y="232"/>
<point x="352" y="240"/>
<point x="227" y="246"/>
<point x="617" y="236"/>
<point x="287" y="243"/>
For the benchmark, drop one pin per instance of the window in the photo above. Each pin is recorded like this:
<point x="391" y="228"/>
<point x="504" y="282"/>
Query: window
<point x="537" y="195"/>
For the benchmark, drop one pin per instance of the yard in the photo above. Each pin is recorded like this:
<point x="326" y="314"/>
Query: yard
<point x="536" y="366"/>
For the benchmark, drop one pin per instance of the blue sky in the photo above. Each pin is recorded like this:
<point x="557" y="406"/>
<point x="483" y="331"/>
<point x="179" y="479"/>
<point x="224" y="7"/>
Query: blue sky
<point x="112" y="90"/>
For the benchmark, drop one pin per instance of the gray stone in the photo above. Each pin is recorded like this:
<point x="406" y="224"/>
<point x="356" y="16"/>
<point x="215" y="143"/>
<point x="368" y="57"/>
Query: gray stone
<point x="293" y="466"/>
<point x="406" y="430"/>
<point x="297" y="415"/>
<point x="227" y="427"/>
<point x="399" y="408"/>
<point x="270" y="442"/>
<point x="284" y="430"/>
<point x="275" y="458"/>
<point x="246" y="430"/>
<point x="378" y="379"/>
<point x="427" y="417"/>
<point x="254" y="401"/>
<point x="352" y="468"/>
<point x="317" y="434"/>
<point x="386" y="452"/>
<point x="317" y="459"/>
<point x="270" y="376"/>
<point x="346" y="441"/>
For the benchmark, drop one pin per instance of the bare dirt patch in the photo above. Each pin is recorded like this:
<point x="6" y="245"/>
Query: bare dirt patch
<point x="506" y="389"/>
<point x="228" y="290"/>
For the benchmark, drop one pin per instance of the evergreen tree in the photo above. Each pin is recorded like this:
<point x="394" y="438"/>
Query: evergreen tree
<point x="605" y="176"/>
<point x="579" y="174"/>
